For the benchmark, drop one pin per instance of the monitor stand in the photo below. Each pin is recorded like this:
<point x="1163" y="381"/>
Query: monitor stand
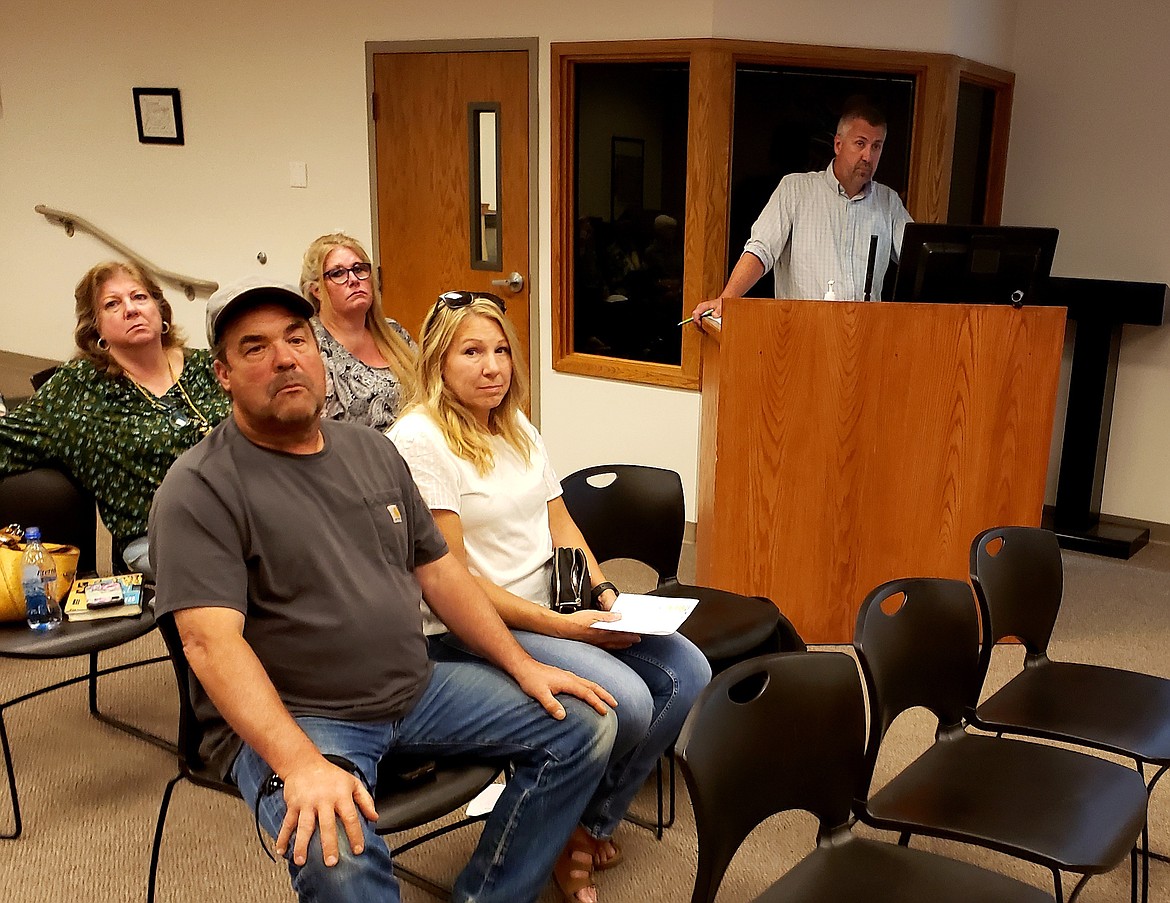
<point x="1100" y="307"/>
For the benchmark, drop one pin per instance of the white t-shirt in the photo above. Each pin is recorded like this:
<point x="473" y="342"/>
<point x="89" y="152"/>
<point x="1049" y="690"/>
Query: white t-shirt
<point x="504" y="514"/>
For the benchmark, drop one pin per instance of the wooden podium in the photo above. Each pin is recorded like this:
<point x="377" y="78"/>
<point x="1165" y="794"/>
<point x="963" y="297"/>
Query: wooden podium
<point x="844" y="444"/>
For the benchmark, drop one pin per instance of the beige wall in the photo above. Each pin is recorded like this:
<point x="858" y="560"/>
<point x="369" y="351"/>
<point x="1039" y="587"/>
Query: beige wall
<point x="978" y="29"/>
<point x="1086" y="155"/>
<point x="265" y="84"/>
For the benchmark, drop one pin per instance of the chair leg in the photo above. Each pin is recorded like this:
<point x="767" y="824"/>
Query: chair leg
<point x="658" y="824"/>
<point x="1146" y="851"/>
<point x="415" y="879"/>
<point x="1145" y="866"/>
<point x="1076" y="891"/>
<point x="670" y="818"/>
<point x="17" y="824"/>
<point x="409" y="875"/>
<point x="117" y="723"/>
<point x="1058" y="888"/>
<point x="158" y="835"/>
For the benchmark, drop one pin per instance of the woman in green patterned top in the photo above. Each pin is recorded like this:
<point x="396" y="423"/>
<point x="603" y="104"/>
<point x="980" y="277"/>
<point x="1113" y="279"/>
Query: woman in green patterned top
<point x="116" y="416"/>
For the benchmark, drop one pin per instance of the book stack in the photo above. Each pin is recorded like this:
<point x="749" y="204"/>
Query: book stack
<point x="93" y="598"/>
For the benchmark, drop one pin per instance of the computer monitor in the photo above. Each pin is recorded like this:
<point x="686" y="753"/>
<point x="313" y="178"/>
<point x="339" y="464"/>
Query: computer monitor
<point x="975" y="264"/>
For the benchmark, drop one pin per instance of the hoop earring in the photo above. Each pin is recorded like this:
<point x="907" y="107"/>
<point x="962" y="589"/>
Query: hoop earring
<point x="166" y="327"/>
<point x="103" y="344"/>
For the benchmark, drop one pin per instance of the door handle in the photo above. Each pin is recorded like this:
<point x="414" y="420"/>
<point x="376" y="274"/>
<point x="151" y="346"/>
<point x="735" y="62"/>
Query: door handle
<point x="514" y="282"/>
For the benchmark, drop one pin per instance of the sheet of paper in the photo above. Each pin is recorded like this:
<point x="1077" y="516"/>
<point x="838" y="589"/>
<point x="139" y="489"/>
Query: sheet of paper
<point x="655" y="615"/>
<point x="486" y="801"/>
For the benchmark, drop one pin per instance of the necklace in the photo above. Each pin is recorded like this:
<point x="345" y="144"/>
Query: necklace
<point x="178" y="416"/>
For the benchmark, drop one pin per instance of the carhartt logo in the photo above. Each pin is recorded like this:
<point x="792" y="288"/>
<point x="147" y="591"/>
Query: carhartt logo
<point x="395" y="514"/>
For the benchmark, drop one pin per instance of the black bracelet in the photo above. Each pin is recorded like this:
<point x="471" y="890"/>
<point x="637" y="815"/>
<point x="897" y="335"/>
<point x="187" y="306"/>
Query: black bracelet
<point x="595" y="594"/>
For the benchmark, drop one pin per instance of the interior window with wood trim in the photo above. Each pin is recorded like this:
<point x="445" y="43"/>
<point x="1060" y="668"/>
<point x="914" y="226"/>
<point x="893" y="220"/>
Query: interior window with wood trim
<point x="663" y="151"/>
<point x="621" y="269"/>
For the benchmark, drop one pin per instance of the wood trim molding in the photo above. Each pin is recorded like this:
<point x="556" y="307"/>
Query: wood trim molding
<point x="936" y="111"/>
<point x="561" y="201"/>
<point x="708" y="191"/>
<point x="1004" y="85"/>
<point x="565" y="358"/>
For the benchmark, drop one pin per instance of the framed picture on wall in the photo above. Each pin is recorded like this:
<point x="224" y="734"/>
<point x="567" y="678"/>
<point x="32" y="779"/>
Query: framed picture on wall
<point x="159" y="115"/>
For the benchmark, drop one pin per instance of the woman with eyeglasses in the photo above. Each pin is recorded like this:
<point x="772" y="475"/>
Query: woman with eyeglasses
<point x="116" y="416"/>
<point x="484" y="473"/>
<point x="369" y="359"/>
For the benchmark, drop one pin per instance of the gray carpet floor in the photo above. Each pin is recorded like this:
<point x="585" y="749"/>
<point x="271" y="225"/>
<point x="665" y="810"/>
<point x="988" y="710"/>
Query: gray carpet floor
<point x="90" y="794"/>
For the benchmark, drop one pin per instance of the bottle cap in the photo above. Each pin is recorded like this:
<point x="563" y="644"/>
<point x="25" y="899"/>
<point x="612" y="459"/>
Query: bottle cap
<point x="32" y="534"/>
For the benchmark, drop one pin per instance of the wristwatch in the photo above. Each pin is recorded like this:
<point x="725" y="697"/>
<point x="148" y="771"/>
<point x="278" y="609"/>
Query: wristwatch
<point x="595" y="594"/>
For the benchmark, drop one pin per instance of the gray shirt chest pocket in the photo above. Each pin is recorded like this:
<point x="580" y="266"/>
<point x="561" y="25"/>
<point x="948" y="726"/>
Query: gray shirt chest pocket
<point x="391" y="524"/>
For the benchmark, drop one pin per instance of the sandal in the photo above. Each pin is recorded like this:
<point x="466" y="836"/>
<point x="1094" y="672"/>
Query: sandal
<point x="573" y="871"/>
<point x="601" y="865"/>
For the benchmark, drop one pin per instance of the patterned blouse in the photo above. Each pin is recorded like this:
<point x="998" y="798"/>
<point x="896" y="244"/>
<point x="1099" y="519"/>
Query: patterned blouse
<point x="355" y="391"/>
<point x="115" y="442"/>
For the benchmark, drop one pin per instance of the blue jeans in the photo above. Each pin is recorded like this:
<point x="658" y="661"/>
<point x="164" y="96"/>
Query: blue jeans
<point x="137" y="557"/>
<point x="467" y="708"/>
<point x="655" y="681"/>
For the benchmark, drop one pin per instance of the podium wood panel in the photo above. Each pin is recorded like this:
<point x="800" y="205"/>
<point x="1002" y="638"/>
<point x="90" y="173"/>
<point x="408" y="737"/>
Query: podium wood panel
<point x="845" y="444"/>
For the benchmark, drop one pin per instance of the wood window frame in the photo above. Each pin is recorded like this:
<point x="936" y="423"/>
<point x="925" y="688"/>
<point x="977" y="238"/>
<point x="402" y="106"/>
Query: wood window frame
<point x="712" y="64"/>
<point x="1003" y="84"/>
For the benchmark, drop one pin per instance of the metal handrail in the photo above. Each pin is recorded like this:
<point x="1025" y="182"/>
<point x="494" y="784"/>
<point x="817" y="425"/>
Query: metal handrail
<point x="71" y="222"/>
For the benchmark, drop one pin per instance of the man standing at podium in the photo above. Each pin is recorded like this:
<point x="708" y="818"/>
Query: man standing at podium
<point x="816" y="228"/>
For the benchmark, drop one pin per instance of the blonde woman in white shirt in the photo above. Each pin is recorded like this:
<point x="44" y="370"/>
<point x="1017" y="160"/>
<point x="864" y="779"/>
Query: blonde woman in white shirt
<point x="483" y="470"/>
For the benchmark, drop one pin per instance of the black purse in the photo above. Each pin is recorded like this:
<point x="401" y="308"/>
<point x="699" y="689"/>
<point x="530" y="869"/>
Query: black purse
<point x="570" y="581"/>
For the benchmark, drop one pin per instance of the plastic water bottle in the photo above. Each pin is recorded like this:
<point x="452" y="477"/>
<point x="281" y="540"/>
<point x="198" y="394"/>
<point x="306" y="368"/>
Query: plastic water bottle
<point x="38" y="579"/>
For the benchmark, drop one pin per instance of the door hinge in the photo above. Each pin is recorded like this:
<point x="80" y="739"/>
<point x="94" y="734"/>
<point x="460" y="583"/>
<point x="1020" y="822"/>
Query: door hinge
<point x="374" y="106"/>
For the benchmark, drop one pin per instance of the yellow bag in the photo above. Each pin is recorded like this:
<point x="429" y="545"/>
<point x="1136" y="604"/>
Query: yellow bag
<point x="12" y="595"/>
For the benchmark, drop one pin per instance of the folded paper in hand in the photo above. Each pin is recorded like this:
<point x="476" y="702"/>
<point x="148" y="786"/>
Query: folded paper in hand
<point x="654" y="615"/>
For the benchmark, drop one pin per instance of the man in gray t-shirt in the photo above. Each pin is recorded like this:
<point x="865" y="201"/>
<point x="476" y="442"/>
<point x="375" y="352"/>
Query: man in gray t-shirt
<point x="293" y="554"/>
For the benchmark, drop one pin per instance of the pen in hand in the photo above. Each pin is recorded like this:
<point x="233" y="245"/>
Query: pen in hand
<point x="702" y="316"/>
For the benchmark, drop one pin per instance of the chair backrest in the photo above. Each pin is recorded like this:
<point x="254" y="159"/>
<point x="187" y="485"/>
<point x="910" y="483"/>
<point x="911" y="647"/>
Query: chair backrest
<point x="1019" y="579"/>
<point x="191" y="762"/>
<point x="47" y="498"/>
<point x="918" y="643"/>
<point x="41" y="377"/>
<point x="774" y="733"/>
<point x="629" y="511"/>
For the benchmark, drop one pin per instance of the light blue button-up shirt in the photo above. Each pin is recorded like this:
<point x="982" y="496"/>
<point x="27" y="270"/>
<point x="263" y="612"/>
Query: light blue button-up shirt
<point x="809" y="233"/>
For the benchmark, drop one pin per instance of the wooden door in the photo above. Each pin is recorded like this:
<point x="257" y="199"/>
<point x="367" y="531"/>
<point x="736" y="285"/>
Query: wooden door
<point x="424" y="106"/>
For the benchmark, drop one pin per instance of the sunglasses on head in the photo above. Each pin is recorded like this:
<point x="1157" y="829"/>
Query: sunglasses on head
<point x="456" y="300"/>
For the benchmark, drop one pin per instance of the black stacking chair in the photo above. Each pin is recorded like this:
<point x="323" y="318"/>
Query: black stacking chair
<point x="918" y="642"/>
<point x="787" y="732"/>
<point x="66" y="514"/>
<point x="41" y="377"/>
<point x="1019" y="581"/>
<point x="402" y="805"/>
<point x="637" y="512"/>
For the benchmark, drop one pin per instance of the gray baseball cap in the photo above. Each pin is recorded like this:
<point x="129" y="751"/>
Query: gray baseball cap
<point x="231" y="301"/>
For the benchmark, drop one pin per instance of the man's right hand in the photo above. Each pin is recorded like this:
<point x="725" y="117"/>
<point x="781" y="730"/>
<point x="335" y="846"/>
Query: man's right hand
<point x="715" y="305"/>
<point x="317" y="795"/>
<point x="543" y="682"/>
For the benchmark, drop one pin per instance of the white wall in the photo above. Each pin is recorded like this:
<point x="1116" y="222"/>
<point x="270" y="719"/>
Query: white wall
<point x="979" y="29"/>
<point x="1088" y="133"/>
<point x="264" y="84"/>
